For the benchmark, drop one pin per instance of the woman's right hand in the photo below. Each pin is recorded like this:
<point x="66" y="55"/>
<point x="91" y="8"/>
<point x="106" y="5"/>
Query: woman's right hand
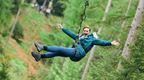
<point x="60" y="26"/>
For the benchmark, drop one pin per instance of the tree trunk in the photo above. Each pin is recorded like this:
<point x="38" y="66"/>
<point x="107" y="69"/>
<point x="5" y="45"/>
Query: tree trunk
<point x="44" y="3"/>
<point x="14" y="24"/>
<point x="107" y="9"/>
<point x="33" y="1"/>
<point x="126" y="14"/>
<point x="122" y="25"/>
<point x="50" y="4"/>
<point x="135" y="24"/>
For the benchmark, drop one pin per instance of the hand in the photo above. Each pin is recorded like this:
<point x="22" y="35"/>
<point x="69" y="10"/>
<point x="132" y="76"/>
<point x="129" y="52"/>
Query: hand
<point x="60" y="26"/>
<point x="115" y="43"/>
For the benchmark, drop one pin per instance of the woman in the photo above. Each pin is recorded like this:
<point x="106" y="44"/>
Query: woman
<point x="85" y="42"/>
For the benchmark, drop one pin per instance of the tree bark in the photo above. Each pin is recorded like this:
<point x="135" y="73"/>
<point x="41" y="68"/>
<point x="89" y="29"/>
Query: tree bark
<point x="135" y="24"/>
<point x="126" y="14"/>
<point x="107" y="9"/>
<point x="45" y="1"/>
<point x="50" y="4"/>
<point x="33" y="1"/>
<point x="122" y="25"/>
<point x="14" y="24"/>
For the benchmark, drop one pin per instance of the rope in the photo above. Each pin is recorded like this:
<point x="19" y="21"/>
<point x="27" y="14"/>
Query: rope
<point x="83" y="15"/>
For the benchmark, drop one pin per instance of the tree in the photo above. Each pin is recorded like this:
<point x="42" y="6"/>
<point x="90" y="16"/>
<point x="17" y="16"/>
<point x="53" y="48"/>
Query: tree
<point x="18" y="32"/>
<point x="14" y="24"/>
<point x="107" y="9"/>
<point x="73" y="13"/>
<point x="126" y="53"/>
<point x="58" y="8"/>
<point x="16" y="5"/>
<point x="122" y="25"/>
<point x="126" y="14"/>
<point x="4" y="72"/>
<point x="5" y="15"/>
<point x="135" y="24"/>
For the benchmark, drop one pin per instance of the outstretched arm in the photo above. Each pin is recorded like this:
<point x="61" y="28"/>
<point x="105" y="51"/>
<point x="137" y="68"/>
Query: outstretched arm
<point x="101" y="42"/>
<point x="105" y="43"/>
<point x="68" y="32"/>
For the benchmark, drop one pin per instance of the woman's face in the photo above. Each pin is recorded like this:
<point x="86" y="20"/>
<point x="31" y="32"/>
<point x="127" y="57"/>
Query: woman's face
<point x="86" y="31"/>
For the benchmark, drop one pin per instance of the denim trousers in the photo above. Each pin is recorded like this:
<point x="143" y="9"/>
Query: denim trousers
<point x="54" y="51"/>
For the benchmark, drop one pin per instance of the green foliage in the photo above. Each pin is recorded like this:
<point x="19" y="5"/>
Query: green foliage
<point x="61" y="69"/>
<point x="58" y="8"/>
<point x="55" y="38"/>
<point x="17" y="70"/>
<point x="4" y="72"/>
<point x="28" y="1"/>
<point x="16" y="5"/>
<point x="5" y="14"/>
<point x="72" y="13"/>
<point x="104" y="63"/>
<point x="1" y="45"/>
<point x="105" y="68"/>
<point x="18" y="32"/>
<point x="134" y="68"/>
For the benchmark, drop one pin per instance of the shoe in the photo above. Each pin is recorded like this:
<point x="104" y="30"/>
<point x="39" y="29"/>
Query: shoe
<point x="39" y="46"/>
<point x="37" y="56"/>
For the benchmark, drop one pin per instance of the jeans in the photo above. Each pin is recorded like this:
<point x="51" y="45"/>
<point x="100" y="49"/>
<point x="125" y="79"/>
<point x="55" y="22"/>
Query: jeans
<point x="53" y="51"/>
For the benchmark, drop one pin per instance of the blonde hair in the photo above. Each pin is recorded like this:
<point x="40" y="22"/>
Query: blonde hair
<point x="86" y="26"/>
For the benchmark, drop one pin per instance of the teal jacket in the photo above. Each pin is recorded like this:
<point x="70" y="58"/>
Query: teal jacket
<point x="85" y="45"/>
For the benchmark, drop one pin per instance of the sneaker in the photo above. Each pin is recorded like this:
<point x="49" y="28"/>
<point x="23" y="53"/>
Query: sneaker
<point x="37" y="56"/>
<point x="39" y="46"/>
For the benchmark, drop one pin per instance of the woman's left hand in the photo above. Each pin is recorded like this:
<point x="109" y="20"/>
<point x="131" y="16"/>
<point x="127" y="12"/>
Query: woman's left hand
<point x="115" y="43"/>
